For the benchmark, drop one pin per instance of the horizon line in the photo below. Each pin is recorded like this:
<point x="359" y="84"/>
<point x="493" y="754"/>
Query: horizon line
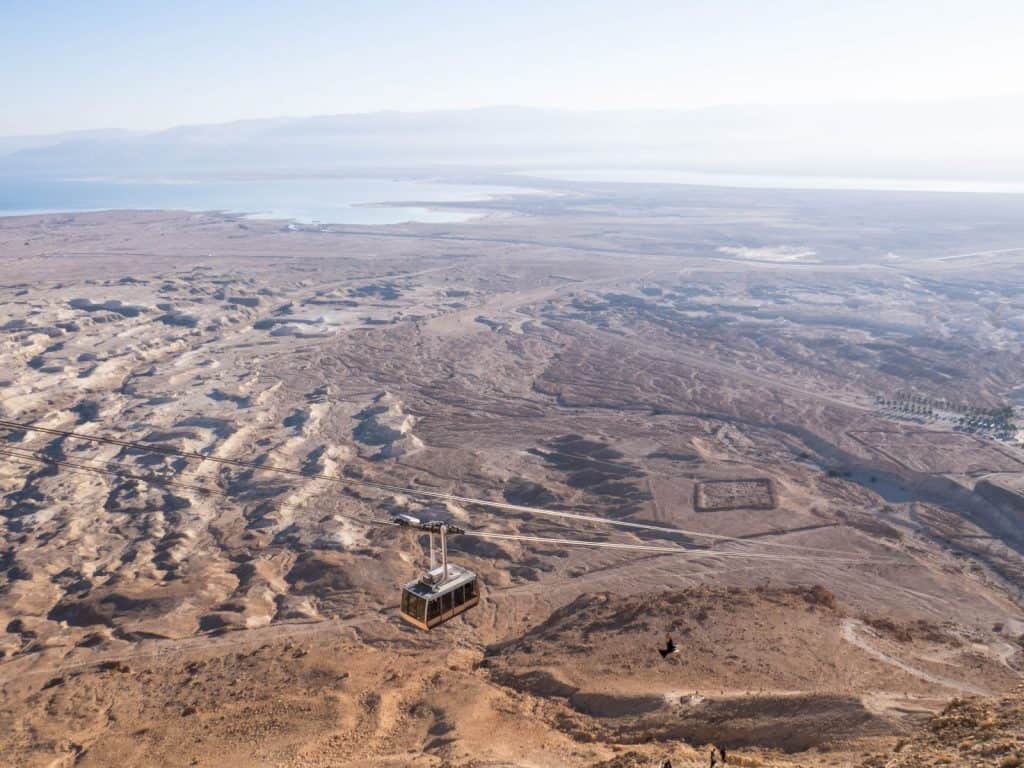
<point x="518" y="107"/>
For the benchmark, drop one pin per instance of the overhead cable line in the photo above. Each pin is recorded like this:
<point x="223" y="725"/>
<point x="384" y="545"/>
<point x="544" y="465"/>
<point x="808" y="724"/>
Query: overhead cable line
<point x="666" y="550"/>
<point x="107" y="470"/>
<point x="392" y="488"/>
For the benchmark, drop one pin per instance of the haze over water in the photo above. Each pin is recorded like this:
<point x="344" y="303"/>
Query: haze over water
<point x="328" y="200"/>
<point x="778" y="181"/>
<point x="379" y="201"/>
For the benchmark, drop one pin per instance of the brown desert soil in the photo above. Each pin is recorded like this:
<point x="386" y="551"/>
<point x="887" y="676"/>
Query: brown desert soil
<point x="593" y="353"/>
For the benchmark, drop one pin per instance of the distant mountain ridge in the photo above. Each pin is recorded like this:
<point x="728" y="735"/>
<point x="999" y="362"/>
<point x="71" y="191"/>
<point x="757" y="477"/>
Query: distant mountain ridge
<point x="12" y="144"/>
<point x="978" y="140"/>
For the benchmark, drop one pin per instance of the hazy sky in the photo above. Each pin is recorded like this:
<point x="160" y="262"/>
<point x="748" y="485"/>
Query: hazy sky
<point x="71" y="65"/>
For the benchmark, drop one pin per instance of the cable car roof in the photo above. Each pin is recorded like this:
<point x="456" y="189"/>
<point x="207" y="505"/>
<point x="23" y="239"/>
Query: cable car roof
<point x="457" y="576"/>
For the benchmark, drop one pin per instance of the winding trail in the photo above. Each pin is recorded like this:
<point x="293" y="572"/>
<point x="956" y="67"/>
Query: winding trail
<point x="851" y="633"/>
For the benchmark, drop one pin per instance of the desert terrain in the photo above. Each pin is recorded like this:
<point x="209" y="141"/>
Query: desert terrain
<point x="786" y="403"/>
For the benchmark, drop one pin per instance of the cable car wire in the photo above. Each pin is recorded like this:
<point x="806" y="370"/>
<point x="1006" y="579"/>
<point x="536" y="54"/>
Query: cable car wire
<point x="27" y="456"/>
<point x="392" y="488"/>
<point x="668" y="550"/>
<point x="692" y="552"/>
<point x="107" y="470"/>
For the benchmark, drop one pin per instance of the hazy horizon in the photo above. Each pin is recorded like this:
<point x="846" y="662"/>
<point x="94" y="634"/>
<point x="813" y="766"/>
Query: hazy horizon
<point x="114" y="65"/>
<point x="930" y="141"/>
<point x="1014" y="102"/>
<point x="923" y="90"/>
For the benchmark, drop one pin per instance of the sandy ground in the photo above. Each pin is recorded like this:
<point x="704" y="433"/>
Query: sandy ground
<point x="596" y="353"/>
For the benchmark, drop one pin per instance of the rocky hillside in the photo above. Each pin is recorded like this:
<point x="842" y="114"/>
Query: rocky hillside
<point x="968" y="732"/>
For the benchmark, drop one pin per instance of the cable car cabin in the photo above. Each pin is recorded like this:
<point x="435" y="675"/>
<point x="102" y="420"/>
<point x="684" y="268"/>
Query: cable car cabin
<point x="433" y="600"/>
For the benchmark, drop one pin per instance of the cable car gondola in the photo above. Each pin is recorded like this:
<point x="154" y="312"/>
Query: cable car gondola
<point x="444" y="591"/>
